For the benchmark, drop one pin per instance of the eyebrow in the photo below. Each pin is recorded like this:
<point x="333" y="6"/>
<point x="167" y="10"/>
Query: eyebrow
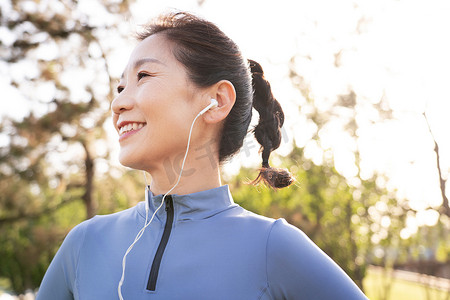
<point x="144" y="60"/>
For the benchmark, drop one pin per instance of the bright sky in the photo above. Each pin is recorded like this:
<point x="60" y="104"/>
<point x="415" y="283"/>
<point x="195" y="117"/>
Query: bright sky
<point x="401" y="53"/>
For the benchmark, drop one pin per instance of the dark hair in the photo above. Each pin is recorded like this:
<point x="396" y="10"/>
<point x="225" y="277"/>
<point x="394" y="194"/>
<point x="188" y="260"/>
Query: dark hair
<point x="209" y="57"/>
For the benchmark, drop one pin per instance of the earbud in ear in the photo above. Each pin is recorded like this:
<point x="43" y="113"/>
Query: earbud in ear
<point x="213" y="104"/>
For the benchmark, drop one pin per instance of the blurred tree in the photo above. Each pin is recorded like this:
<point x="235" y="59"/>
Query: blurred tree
<point x="349" y="116"/>
<point x="57" y="58"/>
<point x="345" y="221"/>
<point x="369" y="215"/>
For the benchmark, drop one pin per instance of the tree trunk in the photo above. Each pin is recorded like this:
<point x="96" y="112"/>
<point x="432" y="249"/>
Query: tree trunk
<point x="89" y="172"/>
<point x="444" y="209"/>
<point x="445" y="205"/>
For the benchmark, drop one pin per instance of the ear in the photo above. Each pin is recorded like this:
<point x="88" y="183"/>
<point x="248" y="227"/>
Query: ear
<point x="225" y="94"/>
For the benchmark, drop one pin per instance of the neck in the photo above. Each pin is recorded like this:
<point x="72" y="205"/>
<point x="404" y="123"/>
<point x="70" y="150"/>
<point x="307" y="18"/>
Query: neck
<point x="198" y="175"/>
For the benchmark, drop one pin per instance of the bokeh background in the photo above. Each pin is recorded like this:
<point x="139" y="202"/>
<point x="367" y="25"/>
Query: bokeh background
<point x="365" y="90"/>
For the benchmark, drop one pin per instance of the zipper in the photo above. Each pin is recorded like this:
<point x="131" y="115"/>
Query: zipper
<point x="151" y="284"/>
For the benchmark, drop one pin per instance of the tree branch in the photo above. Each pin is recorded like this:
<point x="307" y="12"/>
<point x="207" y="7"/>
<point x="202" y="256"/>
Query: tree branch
<point x="36" y="215"/>
<point x="442" y="182"/>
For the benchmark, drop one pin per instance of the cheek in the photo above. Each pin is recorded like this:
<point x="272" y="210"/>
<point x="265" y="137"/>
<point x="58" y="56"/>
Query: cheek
<point x="168" y="110"/>
<point x="114" y="119"/>
<point x="168" y="132"/>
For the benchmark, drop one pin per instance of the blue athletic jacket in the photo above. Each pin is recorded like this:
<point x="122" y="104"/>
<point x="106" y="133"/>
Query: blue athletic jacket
<point x="199" y="246"/>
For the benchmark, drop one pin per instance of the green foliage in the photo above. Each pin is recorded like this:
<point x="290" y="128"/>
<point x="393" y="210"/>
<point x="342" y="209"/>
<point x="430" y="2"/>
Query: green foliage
<point x="29" y="238"/>
<point x="443" y="244"/>
<point x="26" y="250"/>
<point x="48" y="167"/>
<point x="331" y="212"/>
<point x="27" y="245"/>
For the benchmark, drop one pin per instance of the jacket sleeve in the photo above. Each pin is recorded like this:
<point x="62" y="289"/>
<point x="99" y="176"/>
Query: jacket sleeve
<point x="60" y="279"/>
<point x="298" y="269"/>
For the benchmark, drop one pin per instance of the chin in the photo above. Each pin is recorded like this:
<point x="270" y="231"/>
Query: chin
<point x="129" y="160"/>
<point x="137" y="161"/>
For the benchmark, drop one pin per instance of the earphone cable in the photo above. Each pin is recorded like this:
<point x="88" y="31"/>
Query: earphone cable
<point x="141" y="232"/>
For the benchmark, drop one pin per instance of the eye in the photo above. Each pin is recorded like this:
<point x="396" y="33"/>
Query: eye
<point x="120" y="89"/>
<point x="141" y="75"/>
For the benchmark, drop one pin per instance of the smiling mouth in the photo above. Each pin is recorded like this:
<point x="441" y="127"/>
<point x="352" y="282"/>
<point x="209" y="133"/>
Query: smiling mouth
<point x="130" y="127"/>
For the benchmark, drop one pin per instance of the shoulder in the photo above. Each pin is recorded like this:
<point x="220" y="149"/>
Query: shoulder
<point x="118" y="219"/>
<point x="289" y="246"/>
<point x="60" y="279"/>
<point x="295" y="265"/>
<point x="89" y="231"/>
<point x="286" y="237"/>
<point x="75" y="237"/>
<point x="248" y="220"/>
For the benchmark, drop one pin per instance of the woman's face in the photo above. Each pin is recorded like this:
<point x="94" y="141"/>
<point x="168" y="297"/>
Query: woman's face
<point x="155" y="106"/>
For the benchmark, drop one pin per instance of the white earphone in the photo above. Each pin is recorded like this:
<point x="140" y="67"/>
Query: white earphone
<point x="213" y="104"/>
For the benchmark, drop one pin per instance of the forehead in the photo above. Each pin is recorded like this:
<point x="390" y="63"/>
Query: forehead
<point x="155" y="44"/>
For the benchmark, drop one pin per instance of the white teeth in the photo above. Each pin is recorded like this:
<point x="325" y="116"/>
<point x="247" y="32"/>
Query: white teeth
<point x="129" y="127"/>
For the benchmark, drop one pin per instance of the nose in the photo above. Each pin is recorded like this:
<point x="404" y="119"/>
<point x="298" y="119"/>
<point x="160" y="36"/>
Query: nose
<point x="122" y="102"/>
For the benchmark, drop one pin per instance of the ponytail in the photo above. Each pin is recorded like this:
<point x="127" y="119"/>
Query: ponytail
<point x="267" y="132"/>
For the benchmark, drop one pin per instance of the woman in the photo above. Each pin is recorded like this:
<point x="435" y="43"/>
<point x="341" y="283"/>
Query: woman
<point x="189" y="240"/>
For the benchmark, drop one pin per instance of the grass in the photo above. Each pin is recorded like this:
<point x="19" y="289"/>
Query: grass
<point x="375" y="282"/>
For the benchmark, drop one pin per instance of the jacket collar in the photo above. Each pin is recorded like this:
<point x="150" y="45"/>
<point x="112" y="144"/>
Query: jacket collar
<point x="195" y="206"/>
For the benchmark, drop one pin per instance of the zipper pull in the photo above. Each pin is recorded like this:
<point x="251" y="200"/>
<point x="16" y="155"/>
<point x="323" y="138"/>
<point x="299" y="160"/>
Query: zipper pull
<point x="169" y="203"/>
